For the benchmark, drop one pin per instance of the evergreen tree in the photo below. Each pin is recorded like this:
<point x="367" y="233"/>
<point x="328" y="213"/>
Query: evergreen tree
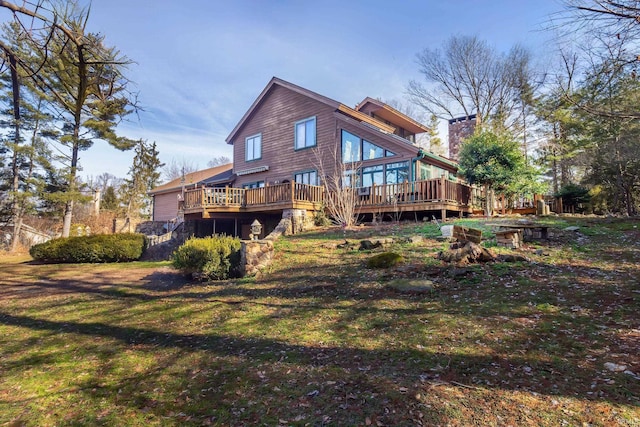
<point x="435" y="142"/>
<point x="28" y="130"/>
<point x="492" y="160"/>
<point x="85" y="79"/>
<point x="143" y="176"/>
<point x="110" y="200"/>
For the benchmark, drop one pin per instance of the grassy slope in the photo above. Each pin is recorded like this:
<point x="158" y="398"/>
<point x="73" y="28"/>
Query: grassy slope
<point x="321" y="340"/>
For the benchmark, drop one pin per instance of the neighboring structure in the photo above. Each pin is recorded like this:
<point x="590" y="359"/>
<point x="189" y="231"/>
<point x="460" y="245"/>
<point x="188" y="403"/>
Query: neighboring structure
<point x="29" y="236"/>
<point x="292" y="139"/>
<point x="460" y="129"/>
<point x="168" y="197"/>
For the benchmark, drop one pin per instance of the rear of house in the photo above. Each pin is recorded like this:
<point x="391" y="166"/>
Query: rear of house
<point x="292" y="140"/>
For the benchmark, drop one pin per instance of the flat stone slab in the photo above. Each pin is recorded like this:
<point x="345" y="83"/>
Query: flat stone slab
<point x="420" y="286"/>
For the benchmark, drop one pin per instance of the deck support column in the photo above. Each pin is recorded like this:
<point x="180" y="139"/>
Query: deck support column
<point x="444" y="214"/>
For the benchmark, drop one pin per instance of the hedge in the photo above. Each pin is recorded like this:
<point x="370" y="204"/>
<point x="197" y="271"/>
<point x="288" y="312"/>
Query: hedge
<point x="91" y="249"/>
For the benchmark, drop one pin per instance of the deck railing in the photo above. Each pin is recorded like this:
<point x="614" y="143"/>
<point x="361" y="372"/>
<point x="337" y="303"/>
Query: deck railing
<point x="432" y="190"/>
<point x="243" y="197"/>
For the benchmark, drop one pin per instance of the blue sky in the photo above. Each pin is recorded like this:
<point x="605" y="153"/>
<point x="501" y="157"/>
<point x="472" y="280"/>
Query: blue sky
<point x="199" y="64"/>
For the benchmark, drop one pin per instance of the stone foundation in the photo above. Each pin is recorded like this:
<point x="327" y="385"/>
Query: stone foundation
<point x="255" y="255"/>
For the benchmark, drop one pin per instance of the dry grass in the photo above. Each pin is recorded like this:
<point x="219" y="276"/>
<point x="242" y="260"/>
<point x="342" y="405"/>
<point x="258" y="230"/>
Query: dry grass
<point x="321" y="340"/>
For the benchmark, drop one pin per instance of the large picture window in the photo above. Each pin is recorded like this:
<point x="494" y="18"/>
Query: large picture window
<point x="355" y="149"/>
<point x="305" y="133"/>
<point x="371" y="151"/>
<point x="253" y="147"/>
<point x="350" y="147"/>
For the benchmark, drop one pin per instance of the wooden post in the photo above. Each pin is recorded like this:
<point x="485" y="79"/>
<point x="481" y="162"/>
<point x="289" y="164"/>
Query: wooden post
<point x="372" y="193"/>
<point x="226" y="195"/>
<point x="443" y="196"/>
<point x="293" y="190"/>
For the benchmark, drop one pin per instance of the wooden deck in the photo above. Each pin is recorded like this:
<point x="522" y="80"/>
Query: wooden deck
<point x="431" y="195"/>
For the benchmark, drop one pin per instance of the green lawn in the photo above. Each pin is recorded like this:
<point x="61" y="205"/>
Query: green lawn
<point x="319" y="339"/>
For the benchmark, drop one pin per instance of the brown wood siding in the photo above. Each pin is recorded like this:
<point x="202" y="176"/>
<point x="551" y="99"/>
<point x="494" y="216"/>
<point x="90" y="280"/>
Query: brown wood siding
<point x="165" y="206"/>
<point x="275" y="119"/>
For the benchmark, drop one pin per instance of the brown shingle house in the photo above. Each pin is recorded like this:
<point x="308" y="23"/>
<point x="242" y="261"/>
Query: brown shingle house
<point x="167" y="198"/>
<point x="289" y="131"/>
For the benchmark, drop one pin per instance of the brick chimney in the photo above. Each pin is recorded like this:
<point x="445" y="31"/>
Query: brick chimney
<point x="459" y="129"/>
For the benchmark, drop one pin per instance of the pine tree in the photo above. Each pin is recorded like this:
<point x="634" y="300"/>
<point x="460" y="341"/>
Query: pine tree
<point x="435" y="143"/>
<point x="25" y="145"/>
<point x="143" y="176"/>
<point x="85" y="80"/>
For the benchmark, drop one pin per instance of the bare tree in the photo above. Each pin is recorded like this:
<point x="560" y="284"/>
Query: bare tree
<point x="605" y="35"/>
<point x="340" y="185"/>
<point x="470" y="77"/>
<point x="178" y="168"/>
<point x="218" y="161"/>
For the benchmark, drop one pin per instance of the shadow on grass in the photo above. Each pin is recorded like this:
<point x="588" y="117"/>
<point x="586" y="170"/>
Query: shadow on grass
<point x="524" y="373"/>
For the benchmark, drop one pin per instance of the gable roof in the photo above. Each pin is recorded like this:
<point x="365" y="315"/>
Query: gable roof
<point x="310" y="94"/>
<point x="389" y="113"/>
<point x="215" y="174"/>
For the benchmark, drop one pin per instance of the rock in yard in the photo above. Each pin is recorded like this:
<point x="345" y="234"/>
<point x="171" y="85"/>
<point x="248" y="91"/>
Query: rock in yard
<point x="614" y="367"/>
<point x="572" y="228"/>
<point x="417" y="286"/>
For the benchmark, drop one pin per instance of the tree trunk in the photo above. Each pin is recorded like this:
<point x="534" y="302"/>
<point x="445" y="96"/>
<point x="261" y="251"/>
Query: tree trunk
<point x="16" y="207"/>
<point x="489" y="202"/>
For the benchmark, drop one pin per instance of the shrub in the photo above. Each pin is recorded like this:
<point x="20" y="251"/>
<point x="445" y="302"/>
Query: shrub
<point x="212" y="258"/>
<point x="96" y="248"/>
<point x="320" y="218"/>
<point x="385" y="260"/>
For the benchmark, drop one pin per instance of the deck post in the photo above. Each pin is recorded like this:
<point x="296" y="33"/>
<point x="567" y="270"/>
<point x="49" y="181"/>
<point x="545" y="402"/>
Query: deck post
<point x="226" y="196"/>
<point x="372" y="194"/>
<point x="293" y="191"/>
<point x="443" y="195"/>
<point x="444" y="214"/>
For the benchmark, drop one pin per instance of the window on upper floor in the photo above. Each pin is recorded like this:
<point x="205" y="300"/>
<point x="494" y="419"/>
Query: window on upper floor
<point x="355" y="149"/>
<point x="253" y="147"/>
<point x="305" y="133"/>
<point x="306" y="177"/>
<point x="350" y="147"/>
<point x="371" y="151"/>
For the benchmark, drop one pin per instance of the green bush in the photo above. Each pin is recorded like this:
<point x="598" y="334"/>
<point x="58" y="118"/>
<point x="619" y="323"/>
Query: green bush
<point x="95" y="248"/>
<point x="212" y="258"/>
<point x="385" y="260"/>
